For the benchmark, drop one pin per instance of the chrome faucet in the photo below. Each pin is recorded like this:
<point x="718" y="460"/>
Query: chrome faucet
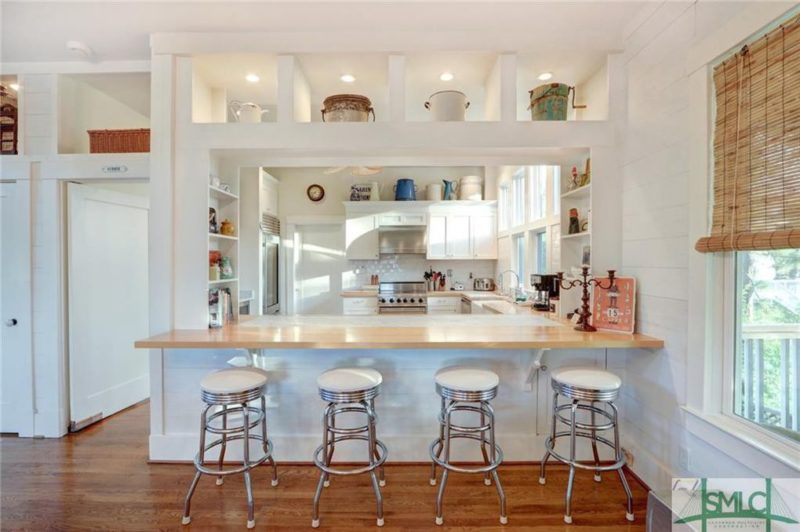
<point x="500" y="282"/>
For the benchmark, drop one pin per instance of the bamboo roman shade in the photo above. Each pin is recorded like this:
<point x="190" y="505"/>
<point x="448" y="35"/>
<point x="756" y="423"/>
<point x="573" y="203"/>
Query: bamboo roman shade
<point x="757" y="146"/>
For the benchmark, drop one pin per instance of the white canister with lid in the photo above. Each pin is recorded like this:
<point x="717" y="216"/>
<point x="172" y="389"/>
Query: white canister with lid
<point x="433" y="192"/>
<point x="470" y="188"/>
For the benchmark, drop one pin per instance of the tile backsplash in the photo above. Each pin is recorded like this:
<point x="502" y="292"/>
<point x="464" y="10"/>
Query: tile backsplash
<point x="413" y="267"/>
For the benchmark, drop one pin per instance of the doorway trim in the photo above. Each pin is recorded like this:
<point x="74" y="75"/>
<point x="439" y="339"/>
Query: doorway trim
<point x="292" y="256"/>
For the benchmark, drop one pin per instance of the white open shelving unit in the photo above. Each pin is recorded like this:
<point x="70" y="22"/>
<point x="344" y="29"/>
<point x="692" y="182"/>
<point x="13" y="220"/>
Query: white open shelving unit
<point x="226" y="205"/>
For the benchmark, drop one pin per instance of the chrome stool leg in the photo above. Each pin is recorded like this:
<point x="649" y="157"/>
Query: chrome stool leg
<point x="501" y="494"/>
<point x="542" y="479"/>
<point x="187" y="505"/>
<point x="440" y="441"/>
<point x="487" y="477"/>
<point x="597" y="477"/>
<point x="274" y="481"/>
<point x="374" y="418"/>
<point x="619" y="457"/>
<point x="571" y="479"/>
<point x="251" y="520"/>
<point x="373" y="460"/>
<point x="446" y="447"/>
<point x="323" y="475"/>
<point x="224" y="444"/>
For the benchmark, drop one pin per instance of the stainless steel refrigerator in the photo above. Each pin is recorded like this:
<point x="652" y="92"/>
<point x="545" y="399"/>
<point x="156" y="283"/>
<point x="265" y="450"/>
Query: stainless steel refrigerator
<point x="270" y="261"/>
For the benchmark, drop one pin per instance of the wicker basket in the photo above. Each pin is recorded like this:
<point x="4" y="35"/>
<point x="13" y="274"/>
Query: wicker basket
<point x="119" y="140"/>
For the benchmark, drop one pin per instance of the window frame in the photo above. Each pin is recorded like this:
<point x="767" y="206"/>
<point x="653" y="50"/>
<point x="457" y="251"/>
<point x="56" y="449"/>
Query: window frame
<point x="710" y="336"/>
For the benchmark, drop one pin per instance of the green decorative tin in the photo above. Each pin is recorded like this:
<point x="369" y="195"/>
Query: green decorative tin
<point x="549" y="101"/>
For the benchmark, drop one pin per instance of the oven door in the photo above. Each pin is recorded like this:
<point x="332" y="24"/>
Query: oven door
<point x="402" y="310"/>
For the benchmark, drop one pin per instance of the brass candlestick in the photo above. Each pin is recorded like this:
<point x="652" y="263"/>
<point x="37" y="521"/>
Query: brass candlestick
<point x="585" y="283"/>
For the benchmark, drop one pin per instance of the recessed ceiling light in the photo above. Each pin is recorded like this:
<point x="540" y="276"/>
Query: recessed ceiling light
<point x="446" y="76"/>
<point x="252" y="78"/>
<point x="348" y="78"/>
<point x="544" y="76"/>
<point x="14" y="86"/>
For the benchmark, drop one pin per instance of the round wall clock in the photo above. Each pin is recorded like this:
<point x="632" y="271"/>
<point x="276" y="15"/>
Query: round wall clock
<point x="315" y="192"/>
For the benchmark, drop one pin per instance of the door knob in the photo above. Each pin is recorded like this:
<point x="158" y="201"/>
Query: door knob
<point x="11" y="322"/>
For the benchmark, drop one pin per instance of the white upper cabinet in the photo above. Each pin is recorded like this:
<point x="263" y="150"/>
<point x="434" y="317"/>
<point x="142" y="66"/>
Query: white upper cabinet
<point x="361" y="237"/>
<point x="449" y="236"/>
<point x="458" y="237"/>
<point x="437" y="236"/>
<point x="483" y="229"/>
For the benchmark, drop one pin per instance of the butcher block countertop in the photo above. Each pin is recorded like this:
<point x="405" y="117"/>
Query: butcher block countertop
<point x="463" y="331"/>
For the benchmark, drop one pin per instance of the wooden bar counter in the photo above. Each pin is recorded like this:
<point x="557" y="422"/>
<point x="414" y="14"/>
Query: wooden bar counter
<point x="519" y="331"/>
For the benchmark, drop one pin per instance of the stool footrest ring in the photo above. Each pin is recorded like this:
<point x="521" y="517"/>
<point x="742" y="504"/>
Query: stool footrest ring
<point x="549" y="445"/>
<point x="458" y="469"/>
<point x="219" y="473"/>
<point x="382" y="454"/>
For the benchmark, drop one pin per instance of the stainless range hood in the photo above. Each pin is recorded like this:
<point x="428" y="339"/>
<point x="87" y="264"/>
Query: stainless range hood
<point x="402" y="240"/>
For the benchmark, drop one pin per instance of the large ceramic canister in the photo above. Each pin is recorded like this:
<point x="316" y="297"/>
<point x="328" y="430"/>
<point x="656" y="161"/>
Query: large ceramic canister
<point x="550" y="101"/>
<point x="347" y="108"/>
<point x="448" y="106"/>
<point x="470" y="188"/>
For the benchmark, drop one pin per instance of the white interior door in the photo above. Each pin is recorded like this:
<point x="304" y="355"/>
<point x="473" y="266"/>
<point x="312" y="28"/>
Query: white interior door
<point x="319" y="265"/>
<point x="16" y="384"/>
<point x="108" y="307"/>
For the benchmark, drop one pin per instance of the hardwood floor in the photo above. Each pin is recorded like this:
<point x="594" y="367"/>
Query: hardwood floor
<point x="99" y="479"/>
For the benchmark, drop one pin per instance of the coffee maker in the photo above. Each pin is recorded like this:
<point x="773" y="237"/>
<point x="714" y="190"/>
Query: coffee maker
<point x="545" y="291"/>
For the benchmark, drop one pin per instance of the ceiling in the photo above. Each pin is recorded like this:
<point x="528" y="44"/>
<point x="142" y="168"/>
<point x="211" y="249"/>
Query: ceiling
<point x="131" y="89"/>
<point x="37" y="31"/>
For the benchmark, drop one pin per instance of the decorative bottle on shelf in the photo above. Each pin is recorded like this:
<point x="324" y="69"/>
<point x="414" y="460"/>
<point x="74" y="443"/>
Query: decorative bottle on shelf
<point x="226" y="269"/>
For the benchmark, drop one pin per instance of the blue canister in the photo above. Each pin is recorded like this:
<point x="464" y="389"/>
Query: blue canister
<point x="405" y="190"/>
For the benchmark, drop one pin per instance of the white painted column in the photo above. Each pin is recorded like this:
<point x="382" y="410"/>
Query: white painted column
<point x="190" y="211"/>
<point x="160" y="231"/>
<point x="508" y="87"/>
<point x="397" y="88"/>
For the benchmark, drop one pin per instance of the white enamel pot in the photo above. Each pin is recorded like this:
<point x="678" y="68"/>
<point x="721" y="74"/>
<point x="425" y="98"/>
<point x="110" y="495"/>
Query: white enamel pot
<point x="448" y="106"/>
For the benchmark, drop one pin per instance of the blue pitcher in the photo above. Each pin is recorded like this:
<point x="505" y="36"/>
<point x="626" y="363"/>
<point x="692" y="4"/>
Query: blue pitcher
<point x="405" y="190"/>
<point x="449" y="189"/>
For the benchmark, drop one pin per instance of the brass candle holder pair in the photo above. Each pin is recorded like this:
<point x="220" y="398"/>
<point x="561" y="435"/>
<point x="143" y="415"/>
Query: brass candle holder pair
<point x="585" y="314"/>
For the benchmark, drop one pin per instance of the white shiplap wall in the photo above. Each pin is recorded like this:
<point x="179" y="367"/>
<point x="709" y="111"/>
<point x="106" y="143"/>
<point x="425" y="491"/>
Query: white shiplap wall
<point x="655" y="184"/>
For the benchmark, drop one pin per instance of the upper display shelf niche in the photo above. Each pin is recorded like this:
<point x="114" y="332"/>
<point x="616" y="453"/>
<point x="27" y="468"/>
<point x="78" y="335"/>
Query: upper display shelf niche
<point x="413" y="87"/>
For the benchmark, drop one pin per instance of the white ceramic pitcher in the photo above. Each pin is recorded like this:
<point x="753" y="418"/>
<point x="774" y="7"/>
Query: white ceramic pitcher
<point x="247" y="112"/>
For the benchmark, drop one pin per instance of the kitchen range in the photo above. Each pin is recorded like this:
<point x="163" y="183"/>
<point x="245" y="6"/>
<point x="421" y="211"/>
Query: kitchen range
<point x="402" y="297"/>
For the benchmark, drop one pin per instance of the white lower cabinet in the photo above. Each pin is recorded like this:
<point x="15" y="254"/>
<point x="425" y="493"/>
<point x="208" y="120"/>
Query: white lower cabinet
<point x="444" y="305"/>
<point x="360" y="306"/>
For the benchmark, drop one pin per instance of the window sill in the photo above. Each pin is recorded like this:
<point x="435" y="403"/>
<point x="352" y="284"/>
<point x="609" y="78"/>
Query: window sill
<point x="753" y="447"/>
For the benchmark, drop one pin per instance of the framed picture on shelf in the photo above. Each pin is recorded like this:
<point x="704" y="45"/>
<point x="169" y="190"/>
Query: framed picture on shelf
<point x="586" y="256"/>
<point x="615" y="309"/>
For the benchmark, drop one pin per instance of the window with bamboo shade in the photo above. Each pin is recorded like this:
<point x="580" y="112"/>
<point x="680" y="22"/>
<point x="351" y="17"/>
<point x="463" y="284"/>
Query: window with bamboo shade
<point x="757" y="146"/>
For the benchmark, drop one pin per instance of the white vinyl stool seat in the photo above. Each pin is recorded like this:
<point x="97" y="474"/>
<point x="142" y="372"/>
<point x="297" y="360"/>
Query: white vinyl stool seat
<point x="233" y="380"/>
<point x="346" y="380"/>
<point x="587" y="378"/>
<point x="467" y="379"/>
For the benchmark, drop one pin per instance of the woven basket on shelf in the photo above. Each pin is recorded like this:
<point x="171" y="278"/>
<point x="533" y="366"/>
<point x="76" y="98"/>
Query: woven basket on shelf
<point x="119" y="140"/>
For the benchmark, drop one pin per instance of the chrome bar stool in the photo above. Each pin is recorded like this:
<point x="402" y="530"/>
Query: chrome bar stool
<point x="585" y="387"/>
<point x="232" y="390"/>
<point x="349" y="390"/>
<point x="467" y="390"/>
